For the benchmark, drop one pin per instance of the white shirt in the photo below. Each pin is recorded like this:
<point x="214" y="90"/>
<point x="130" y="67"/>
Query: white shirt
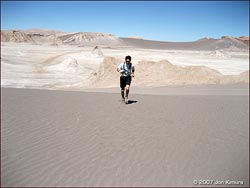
<point x="126" y="69"/>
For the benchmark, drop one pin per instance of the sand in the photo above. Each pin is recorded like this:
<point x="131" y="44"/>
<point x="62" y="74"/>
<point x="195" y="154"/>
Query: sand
<point x="76" y="138"/>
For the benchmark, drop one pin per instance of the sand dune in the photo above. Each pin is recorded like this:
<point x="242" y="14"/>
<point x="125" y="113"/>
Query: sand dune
<point x="171" y="74"/>
<point x="107" y="76"/>
<point x="59" y="138"/>
<point x="242" y="77"/>
<point x="163" y="73"/>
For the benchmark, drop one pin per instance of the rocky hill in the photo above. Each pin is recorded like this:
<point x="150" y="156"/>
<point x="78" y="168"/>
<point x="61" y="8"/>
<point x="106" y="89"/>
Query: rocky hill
<point x="16" y="36"/>
<point x="40" y="36"/>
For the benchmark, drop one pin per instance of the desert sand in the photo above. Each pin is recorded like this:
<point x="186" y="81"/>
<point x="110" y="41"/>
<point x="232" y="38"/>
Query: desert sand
<point x="76" y="138"/>
<point x="63" y="122"/>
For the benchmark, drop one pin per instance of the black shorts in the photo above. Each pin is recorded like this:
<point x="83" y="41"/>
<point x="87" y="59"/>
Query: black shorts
<point x="125" y="80"/>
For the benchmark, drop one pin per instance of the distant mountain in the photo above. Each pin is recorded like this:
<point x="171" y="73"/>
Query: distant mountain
<point x="202" y="44"/>
<point x="90" y="39"/>
<point x="15" y="36"/>
<point x="52" y="37"/>
<point x="244" y="39"/>
<point x="43" y="32"/>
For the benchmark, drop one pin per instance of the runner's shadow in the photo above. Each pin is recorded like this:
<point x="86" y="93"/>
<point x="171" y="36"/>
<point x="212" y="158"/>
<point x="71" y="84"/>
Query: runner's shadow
<point x="131" y="101"/>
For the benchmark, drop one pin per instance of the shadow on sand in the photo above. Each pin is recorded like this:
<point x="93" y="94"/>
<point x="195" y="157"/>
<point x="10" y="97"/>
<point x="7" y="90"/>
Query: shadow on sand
<point x="131" y="101"/>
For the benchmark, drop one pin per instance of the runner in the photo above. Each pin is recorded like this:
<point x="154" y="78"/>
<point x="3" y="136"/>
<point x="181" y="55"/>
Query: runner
<point x="126" y="70"/>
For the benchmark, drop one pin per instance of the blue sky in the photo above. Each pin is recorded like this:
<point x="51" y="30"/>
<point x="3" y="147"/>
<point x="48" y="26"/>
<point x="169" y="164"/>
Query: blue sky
<point x="162" y="20"/>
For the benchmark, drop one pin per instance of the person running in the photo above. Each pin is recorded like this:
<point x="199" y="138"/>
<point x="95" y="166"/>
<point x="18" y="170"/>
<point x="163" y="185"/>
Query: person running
<point x="126" y="70"/>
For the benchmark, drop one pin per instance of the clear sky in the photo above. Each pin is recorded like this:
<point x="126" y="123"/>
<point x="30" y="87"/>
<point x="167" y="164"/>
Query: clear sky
<point x="162" y="20"/>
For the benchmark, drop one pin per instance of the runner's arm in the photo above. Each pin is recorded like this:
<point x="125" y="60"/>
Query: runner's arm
<point x="133" y="71"/>
<point x="119" y="68"/>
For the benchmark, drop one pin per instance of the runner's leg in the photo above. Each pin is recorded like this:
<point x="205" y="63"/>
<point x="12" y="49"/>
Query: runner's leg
<point x="122" y="85"/>
<point x="122" y="93"/>
<point x="127" y="90"/>
<point x="128" y="82"/>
